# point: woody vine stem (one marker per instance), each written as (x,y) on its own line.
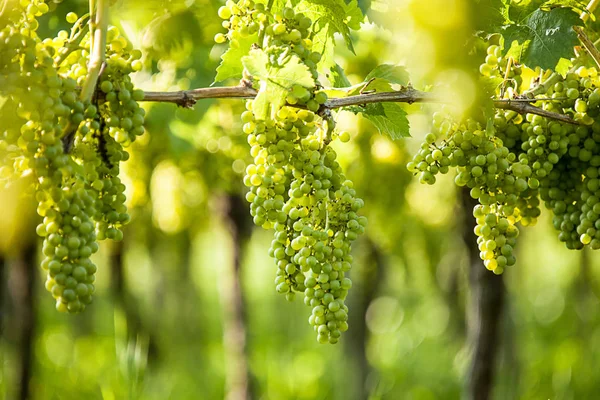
(187,98)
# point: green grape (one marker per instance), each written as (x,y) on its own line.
(344,136)
(224,12)
(220,38)
(71,17)
(321,97)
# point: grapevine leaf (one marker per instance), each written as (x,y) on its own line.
(546,36)
(578,6)
(354,15)
(491,14)
(380,80)
(563,66)
(375,84)
(378,85)
(489,127)
(277,5)
(331,17)
(522,10)
(327,51)
(388,118)
(490,85)
(231,65)
(364,5)
(338,77)
(390,72)
(275,82)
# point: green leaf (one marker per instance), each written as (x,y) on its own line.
(491,14)
(578,6)
(391,73)
(331,17)
(490,85)
(337,77)
(378,85)
(488,89)
(546,36)
(522,10)
(489,127)
(389,118)
(277,5)
(354,15)
(563,66)
(380,80)
(364,6)
(275,82)
(231,61)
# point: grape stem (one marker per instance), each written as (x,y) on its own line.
(327,211)
(98,32)
(71,46)
(519,100)
(526,108)
(92,21)
(187,98)
(589,10)
(98,48)
(263,27)
(544,86)
(506,78)
(588,44)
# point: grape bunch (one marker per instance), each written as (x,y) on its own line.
(519,162)
(489,170)
(241,20)
(496,67)
(298,189)
(70,144)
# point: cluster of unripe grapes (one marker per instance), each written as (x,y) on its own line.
(298,189)
(71,145)
(496,66)
(485,166)
(518,162)
(241,20)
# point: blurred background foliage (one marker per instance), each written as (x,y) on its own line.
(186,307)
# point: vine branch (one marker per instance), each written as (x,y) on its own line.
(588,44)
(92,21)
(98,31)
(187,98)
(526,108)
(98,55)
(591,7)
(77,35)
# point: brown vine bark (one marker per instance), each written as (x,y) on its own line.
(3,313)
(371,277)
(3,294)
(237,375)
(21,287)
(124,300)
(487,304)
